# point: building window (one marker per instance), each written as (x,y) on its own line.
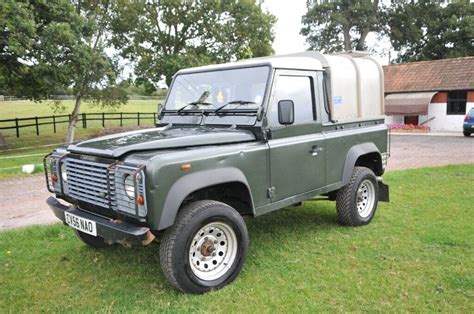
(457,102)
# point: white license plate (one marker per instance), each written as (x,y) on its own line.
(85,225)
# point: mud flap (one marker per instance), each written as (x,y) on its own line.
(383,192)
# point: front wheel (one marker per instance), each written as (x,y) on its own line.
(206,247)
(356,202)
(466,133)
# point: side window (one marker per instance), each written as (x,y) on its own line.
(299,90)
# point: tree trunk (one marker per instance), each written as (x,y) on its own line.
(168,80)
(74,118)
(361,42)
(347,39)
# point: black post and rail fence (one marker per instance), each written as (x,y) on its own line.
(35,122)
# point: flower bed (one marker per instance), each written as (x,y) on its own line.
(410,128)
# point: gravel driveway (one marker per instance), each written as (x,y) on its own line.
(417,151)
(22,201)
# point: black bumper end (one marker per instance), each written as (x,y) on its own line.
(112,232)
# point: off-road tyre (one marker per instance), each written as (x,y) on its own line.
(180,241)
(466,133)
(347,198)
(90,240)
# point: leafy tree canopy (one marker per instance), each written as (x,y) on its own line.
(168,35)
(35,44)
(59,44)
(423,30)
(341,25)
(418,30)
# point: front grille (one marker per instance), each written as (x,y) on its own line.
(90,182)
(104,184)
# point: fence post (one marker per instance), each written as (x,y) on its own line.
(54,123)
(84,120)
(103,121)
(37,127)
(154,117)
(138,118)
(121,122)
(17,128)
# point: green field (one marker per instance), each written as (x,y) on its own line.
(417,255)
(25,108)
(20,149)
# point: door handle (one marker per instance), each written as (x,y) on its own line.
(315,150)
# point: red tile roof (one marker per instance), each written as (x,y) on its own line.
(436,75)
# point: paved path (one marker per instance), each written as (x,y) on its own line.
(22,201)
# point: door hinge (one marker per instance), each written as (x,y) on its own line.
(271,192)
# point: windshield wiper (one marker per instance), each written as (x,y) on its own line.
(194,103)
(233,102)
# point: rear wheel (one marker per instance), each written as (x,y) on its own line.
(90,240)
(466,133)
(356,202)
(206,247)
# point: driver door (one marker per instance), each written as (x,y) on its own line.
(297,151)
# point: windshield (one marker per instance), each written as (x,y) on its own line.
(244,87)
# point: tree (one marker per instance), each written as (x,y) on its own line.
(169,35)
(35,40)
(423,30)
(341,25)
(95,75)
(146,86)
(51,45)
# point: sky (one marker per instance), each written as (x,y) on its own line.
(288,26)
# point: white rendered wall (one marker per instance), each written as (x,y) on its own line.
(442,121)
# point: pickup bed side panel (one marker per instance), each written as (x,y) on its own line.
(339,143)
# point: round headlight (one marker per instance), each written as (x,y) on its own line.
(129,186)
(63,172)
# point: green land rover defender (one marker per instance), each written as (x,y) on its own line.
(231,140)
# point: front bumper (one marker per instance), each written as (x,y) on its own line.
(112,232)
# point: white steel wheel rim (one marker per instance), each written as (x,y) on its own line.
(213,251)
(365,198)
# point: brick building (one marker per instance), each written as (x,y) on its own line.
(436,93)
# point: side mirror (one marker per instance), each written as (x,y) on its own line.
(286,112)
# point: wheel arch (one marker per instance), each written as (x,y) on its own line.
(207,182)
(365,155)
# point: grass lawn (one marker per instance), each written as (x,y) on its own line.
(417,255)
(12,159)
(26,108)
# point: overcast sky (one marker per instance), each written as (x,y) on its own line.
(288,26)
